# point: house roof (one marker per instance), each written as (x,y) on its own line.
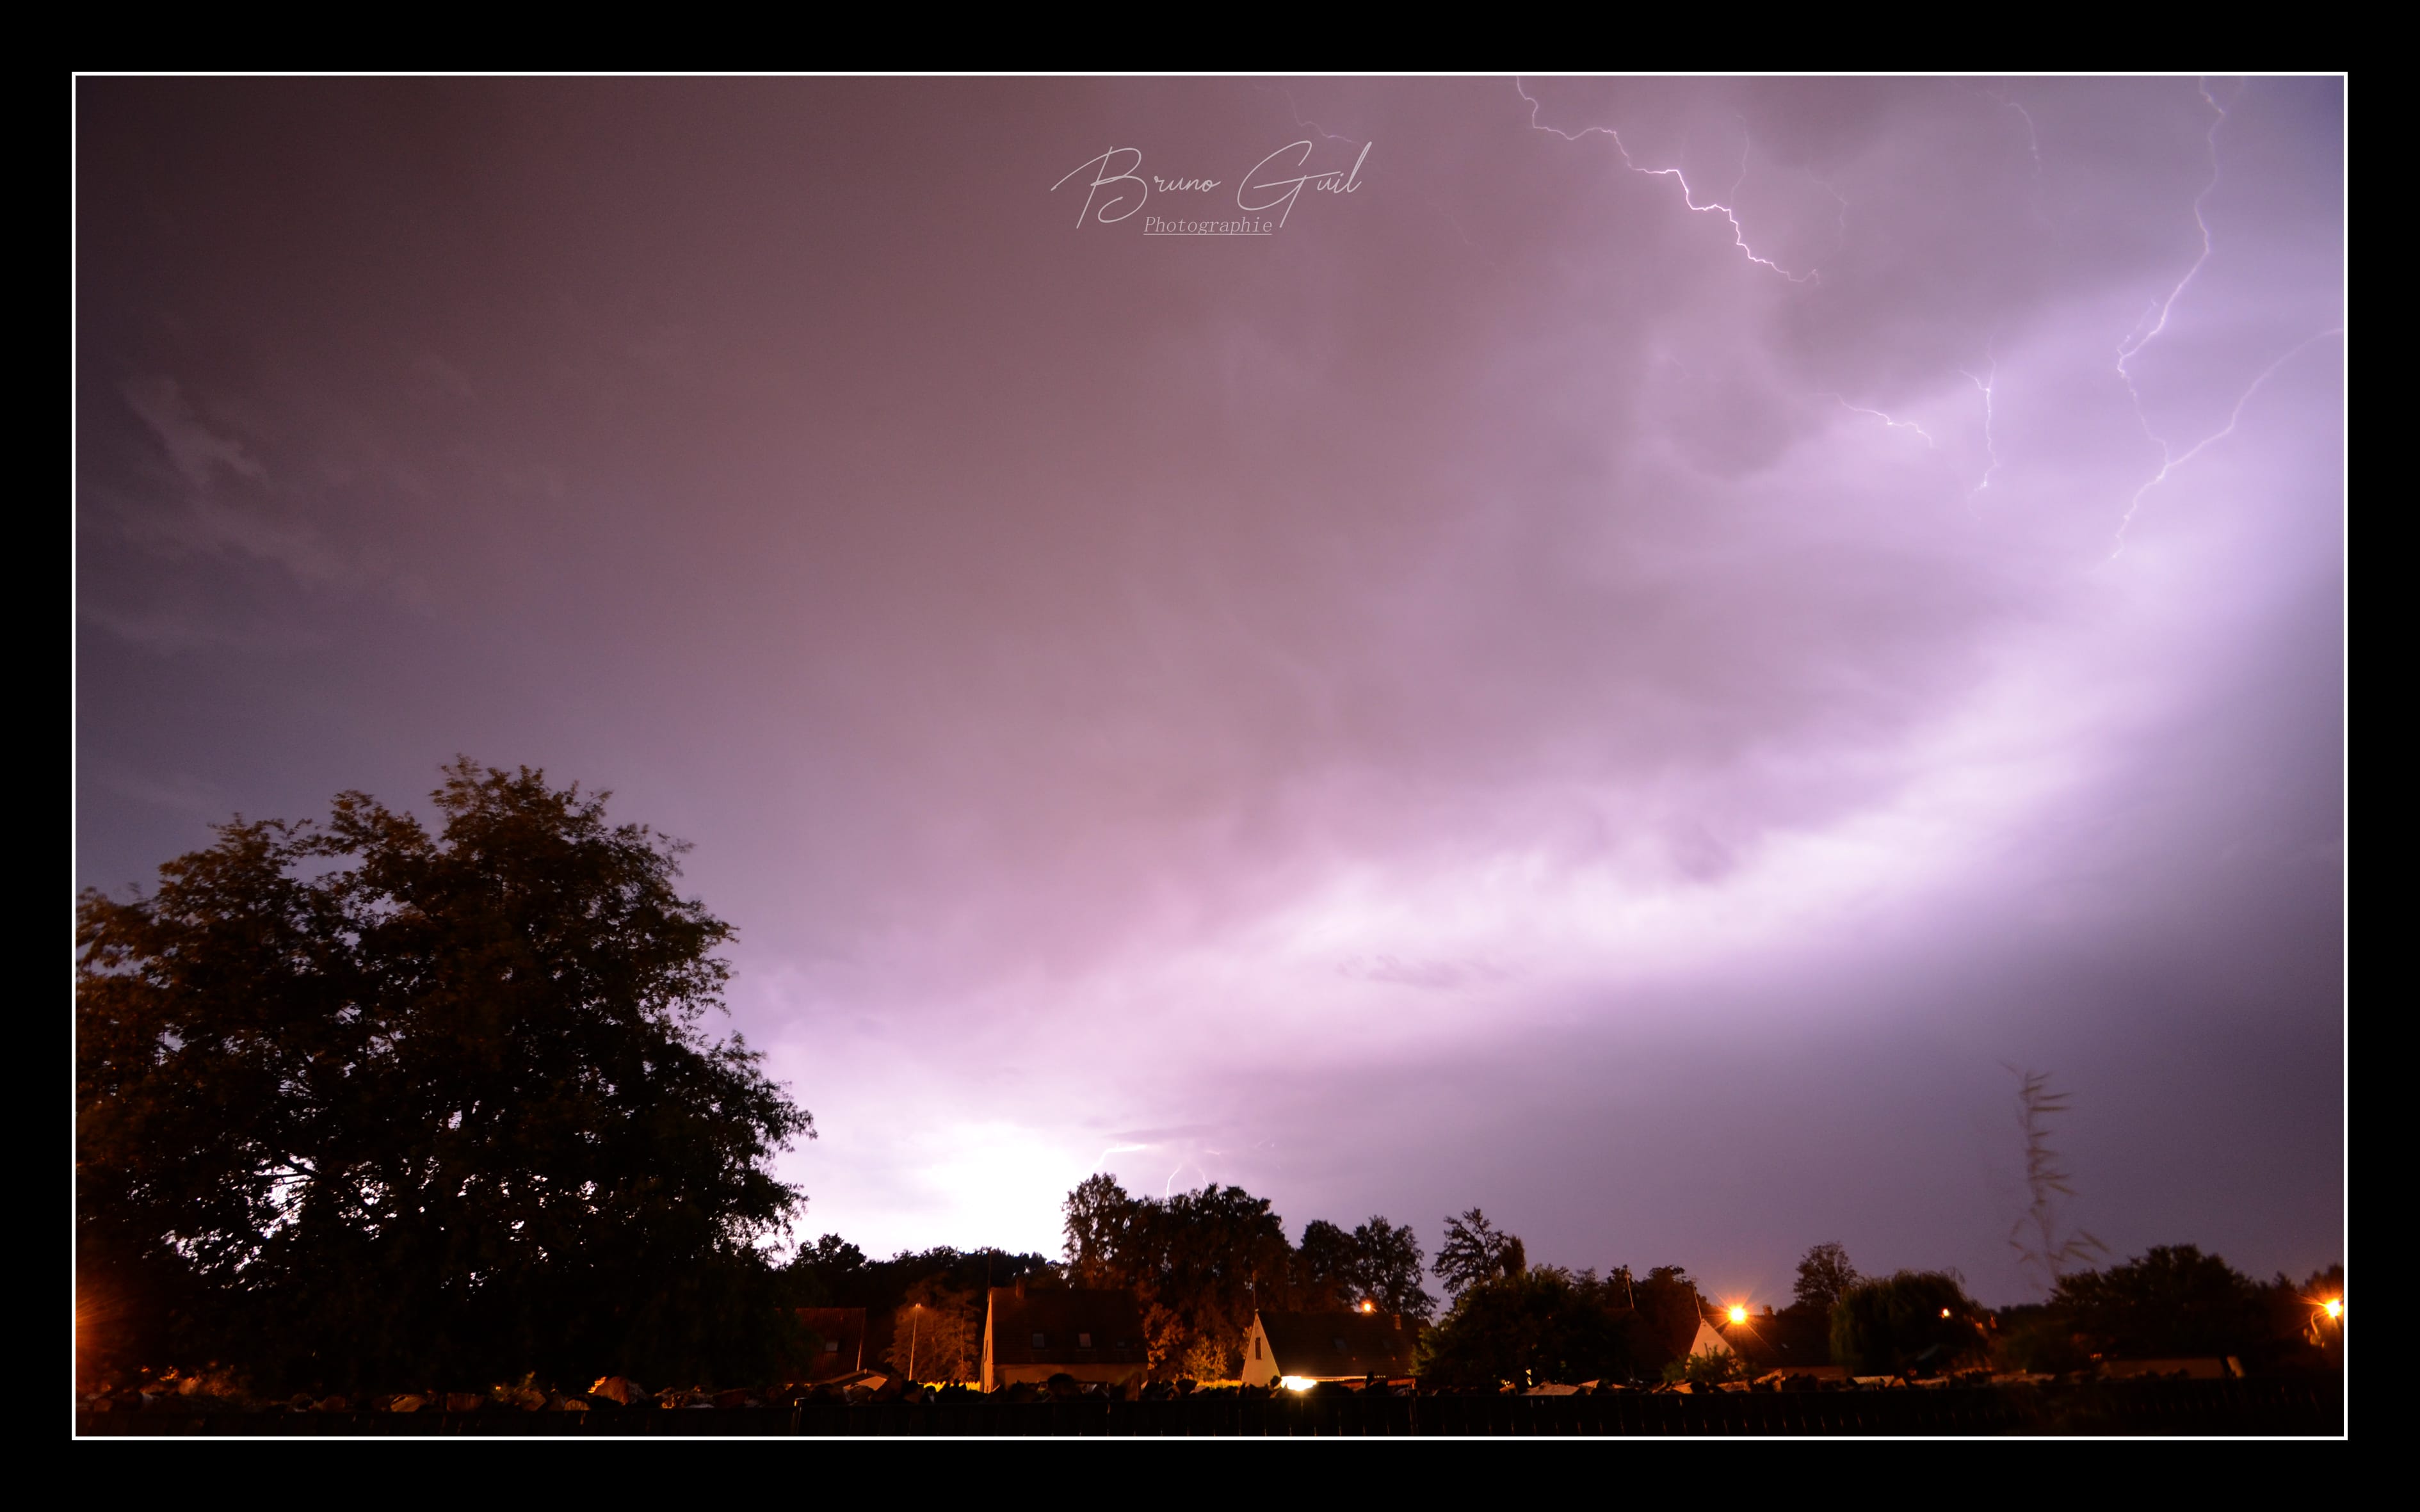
(1340,1343)
(1075,1327)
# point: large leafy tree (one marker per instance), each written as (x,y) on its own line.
(1669,1306)
(1377,1263)
(1474,1251)
(2171,1300)
(1103,1228)
(1198,1261)
(1533,1326)
(1825,1276)
(1327,1271)
(1914,1320)
(362,1102)
(1389,1269)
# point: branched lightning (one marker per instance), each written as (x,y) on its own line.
(2156,316)
(1889,421)
(2155,320)
(1688,196)
(2168,464)
(2149,328)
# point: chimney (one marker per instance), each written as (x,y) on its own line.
(1399,1321)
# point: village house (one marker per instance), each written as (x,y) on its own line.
(1307,1347)
(1034,1334)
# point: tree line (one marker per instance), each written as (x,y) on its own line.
(359,1102)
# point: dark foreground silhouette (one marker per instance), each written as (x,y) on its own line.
(2311,1406)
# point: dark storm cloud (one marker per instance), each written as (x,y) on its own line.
(1586,637)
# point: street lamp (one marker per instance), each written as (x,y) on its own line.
(915,1315)
(1739,1314)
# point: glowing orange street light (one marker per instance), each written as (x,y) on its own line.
(2333,1307)
(1739,1314)
(1944,1312)
(1369,1307)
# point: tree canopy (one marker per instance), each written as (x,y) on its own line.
(1530,1326)
(1911,1321)
(1825,1276)
(1377,1263)
(1511,1322)
(1476,1251)
(2171,1300)
(358,1101)
(1201,1262)
(1196,1261)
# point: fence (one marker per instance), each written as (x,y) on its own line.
(2313,1406)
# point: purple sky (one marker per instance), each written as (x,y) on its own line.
(1618,679)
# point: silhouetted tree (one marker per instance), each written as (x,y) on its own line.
(1476,1251)
(835,1273)
(1378,1263)
(1913,1322)
(1669,1308)
(1389,1269)
(2170,1300)
(827,1274)
(1533,1326)
(1824,1275)
(2301,1332)
(361,1102)
(1327,1271)
(1099,1219)
(1196,1260)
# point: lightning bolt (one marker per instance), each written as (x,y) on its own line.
(2168,464)
(1888,420)
(1296,112)
(1688,195)
(1984,385)
(2154,323)
(2033,145)
(2157,316)
(1102,1158)
(1990,442)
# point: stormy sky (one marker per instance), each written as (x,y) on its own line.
(1622,664)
